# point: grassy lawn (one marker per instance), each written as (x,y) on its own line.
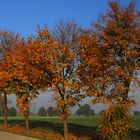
(85,121)
(137,122)
(79,126)
(90,121)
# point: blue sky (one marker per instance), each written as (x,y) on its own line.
(23,16)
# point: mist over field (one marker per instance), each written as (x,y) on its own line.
(46,100)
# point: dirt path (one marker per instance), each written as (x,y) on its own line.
(11,136)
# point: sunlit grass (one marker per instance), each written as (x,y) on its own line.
(92,121)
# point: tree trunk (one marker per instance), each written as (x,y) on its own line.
(127,83)
(5,110)
(27,123)
(65,128)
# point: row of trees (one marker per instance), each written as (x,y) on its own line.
(50,111)
(73,63)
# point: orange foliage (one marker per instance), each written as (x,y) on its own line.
(110,62)
(24,105)
(27,68)
(115,123)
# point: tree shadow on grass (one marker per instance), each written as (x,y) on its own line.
(80,130)
(135,134)
(75,129)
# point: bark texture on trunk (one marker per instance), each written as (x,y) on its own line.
(127,83)
(65,128)
(27,123)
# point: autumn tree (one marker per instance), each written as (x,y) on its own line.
(26,70)
(65,83)
(120,34)
(33,70)
(8,41)
(111,47)
(16,78)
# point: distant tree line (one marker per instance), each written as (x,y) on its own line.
(136,113)
(51,111)
(85,110)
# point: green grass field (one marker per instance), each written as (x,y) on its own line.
(137,122)
(91,121)
(85,121)
(78,126)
